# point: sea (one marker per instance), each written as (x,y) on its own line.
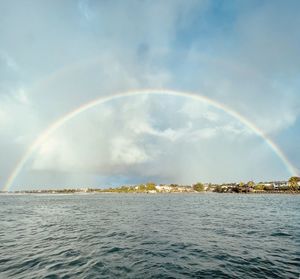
(113,235)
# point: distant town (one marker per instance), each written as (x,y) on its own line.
(290,186)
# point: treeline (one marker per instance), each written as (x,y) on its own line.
(141,188)
(293,185)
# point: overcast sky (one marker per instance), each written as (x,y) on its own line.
(57,55)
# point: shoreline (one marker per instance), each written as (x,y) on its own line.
(145,193)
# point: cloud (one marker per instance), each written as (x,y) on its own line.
(56,56)
(126,152)
(128,143)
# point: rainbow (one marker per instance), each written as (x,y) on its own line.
(67,117)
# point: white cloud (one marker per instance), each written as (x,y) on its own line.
(125,152)
(129,143)
(71,53)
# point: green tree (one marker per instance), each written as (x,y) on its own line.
(141,188)
(293,182)
(150,186)
(250,184)
(198,187)
(259,187)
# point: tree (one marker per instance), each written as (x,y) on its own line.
(250,184)
(150,186)
(209,187)
(268,187)
(141,188)
(293,182)
(259,186)
(219,189)
(198,187)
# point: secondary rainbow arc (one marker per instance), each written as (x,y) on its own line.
(67,117)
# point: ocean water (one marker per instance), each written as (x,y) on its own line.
(150,236)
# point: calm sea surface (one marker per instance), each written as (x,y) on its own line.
(150,236)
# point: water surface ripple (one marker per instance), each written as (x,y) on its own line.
(150,236)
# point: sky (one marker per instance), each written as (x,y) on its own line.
(56,56)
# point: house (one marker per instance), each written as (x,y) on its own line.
(163,188)
(280,184)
